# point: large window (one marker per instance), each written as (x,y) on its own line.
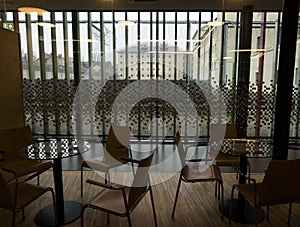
(184,48)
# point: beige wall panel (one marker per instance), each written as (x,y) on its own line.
(11,96)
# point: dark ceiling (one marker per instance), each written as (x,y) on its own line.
(131,5)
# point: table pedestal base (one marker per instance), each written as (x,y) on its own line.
(242,212)
(45,217)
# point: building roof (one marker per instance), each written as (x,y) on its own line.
(149,49)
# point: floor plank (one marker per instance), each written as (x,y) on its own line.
(197,205)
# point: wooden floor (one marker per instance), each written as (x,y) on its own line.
(197,205)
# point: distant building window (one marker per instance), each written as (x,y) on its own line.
(258,42)
(256,75)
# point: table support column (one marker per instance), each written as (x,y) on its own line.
(66,211)
(59,192)
(242,211)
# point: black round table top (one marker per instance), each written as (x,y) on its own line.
(248,147)
(54,149)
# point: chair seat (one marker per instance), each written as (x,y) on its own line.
(21,167)
(208,172)
(101,163)
(247,190)
(223,159)
(7,176)
(111,200)
(27,193)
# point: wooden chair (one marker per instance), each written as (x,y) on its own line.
(19,169)
(196,173)
(223,159)
(26,193)
(11,140)
(281,185)
(122,200)
(117,147)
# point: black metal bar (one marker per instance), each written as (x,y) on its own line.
(59,192)
(260,73)
(285,79)
(244,71)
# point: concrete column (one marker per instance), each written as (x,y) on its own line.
(285,79)
(244,71)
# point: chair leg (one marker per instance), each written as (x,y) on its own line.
(82,216)
(231,205)
(38,179)
(255,215)
(249,172)
(13,221)
(105,178)
(222,200)
(216,185)
(107,219)
(129,221)
(153,207)
(219,190)
(176,197)
(81,181)
(23,214)
(54,205)
(268,211)
(105,181)
(290,212)
(15,203)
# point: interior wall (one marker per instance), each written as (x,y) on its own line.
(11,95)
(212,5)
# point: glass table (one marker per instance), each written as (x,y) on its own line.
(242,211)
(56,149)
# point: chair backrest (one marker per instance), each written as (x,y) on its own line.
(11,140)
(223,131)
(140,181)
(118,142)
(231,131)
(180,148)
(6,198)
(281,183)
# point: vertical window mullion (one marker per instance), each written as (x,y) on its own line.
(90,70)
(175,69)
(198,64)
(151,67)
(43,76)
(157,75)
(164,72)
(222,72)
(234,68)
(102,35)
(115,92)
(77,67)
(55,75)
(67,71)
(274,69)
(31,72)
(187,67)
(260,74)
(139,69)
(127,60)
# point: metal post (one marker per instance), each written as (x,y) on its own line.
(244,71)
(285,79)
